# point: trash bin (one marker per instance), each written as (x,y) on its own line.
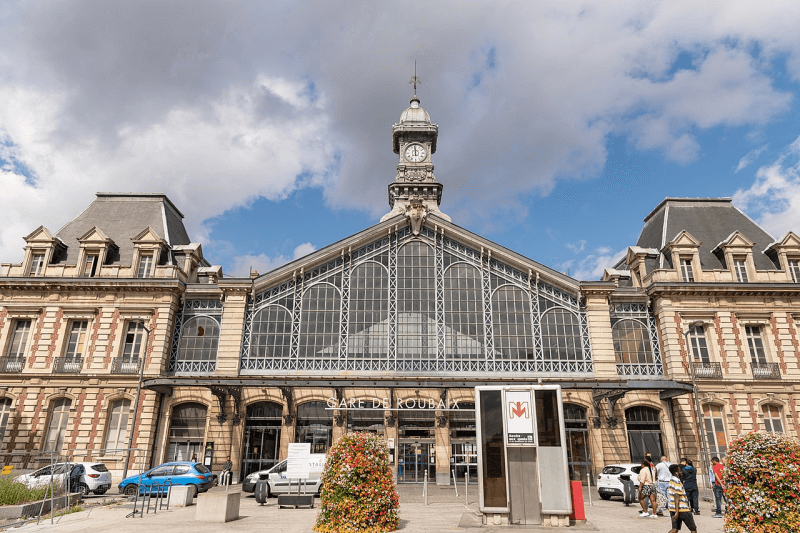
(628,489)
(261,491)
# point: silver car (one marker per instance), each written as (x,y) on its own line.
(83,477)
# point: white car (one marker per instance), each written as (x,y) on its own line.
(608,482)
(83,477)
(278,483)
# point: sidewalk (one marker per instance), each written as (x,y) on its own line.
(444,512)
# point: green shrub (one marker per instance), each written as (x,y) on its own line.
(12,493)
(358,492)
(762,484)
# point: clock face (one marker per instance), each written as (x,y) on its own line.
(415,153)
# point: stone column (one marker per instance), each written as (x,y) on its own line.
(443,449)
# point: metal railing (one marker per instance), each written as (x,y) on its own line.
(67,365)
(707,370)
(640,369)
(125,365)
(12,365)
(766,370)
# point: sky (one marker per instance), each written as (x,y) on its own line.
(561,124)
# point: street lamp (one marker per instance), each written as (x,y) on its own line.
(136,400)
(703,452)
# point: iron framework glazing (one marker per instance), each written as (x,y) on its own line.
(196,338)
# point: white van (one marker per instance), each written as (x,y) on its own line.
(278,483)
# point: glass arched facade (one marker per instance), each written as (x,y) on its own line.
(196,338)
(416,304)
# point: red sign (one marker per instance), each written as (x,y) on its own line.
(519,409)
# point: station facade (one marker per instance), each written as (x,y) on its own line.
(690,341)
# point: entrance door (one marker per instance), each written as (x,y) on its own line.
(644,432)
(186,432)
(262,437)
(463,459)
(413,460)
(577,442)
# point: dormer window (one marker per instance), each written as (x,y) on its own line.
(90,265)
(740,269)
(145,268)
(794,269)
(687,274)
(37,264)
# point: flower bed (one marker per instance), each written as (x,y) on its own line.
(12,493)
(358,492)
(762,484)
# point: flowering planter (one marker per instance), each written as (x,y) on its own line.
(30,509)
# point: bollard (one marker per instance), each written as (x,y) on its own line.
(455,482)
(589,485)
(466,488)
(425,487)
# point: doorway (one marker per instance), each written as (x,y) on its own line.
(644,432)
(262,437)
(186,432)
(577,433)
(414,459)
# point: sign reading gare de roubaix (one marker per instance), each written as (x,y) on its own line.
(385,404)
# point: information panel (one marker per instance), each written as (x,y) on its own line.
(298,465)
(518,411)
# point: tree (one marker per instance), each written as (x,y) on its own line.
(358,492)
(762,484)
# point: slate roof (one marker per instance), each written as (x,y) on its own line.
(122,216)
(709,220)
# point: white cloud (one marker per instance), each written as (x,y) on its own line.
(222,103)
(749,158)
(243,265)
(774,197)
(591,266)
(578,246)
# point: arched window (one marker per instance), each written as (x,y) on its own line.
(511,318)
(319,323)
(714,423)
(57,427)
(644,432)
(463,312)
(561,335)
(272,333)
(416,303)
(632,342)
(116,428)
(187,431)
(369,312)
(198,348)
(5,414)
(773,418)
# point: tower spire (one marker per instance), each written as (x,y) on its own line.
(415,80)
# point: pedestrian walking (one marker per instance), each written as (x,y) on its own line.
(689,479)
(647,488)
(662,471)
(678,504)
(719,493)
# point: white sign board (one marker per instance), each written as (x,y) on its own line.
(297,463)
(519,415)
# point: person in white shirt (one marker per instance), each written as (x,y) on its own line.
(663,476)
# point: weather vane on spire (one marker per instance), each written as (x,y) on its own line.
(415,79)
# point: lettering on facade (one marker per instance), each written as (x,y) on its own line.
(385,404)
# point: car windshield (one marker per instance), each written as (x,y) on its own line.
(613,470)
(201,468)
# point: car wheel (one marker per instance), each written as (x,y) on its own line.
(82,489)
(605,496)
(130,490)
(193,491)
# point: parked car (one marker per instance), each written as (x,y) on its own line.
(162,476)
(609,483)
(278,483)
(83,477)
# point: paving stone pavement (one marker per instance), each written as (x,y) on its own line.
(444,512)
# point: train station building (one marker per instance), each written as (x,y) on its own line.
(688,342)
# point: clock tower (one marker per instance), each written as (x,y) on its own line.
(415,191)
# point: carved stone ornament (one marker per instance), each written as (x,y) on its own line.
(441,421)
(416,214)
(612,421)
(596,422)
(339,419)
(416,174)
(390,421)
(287,420)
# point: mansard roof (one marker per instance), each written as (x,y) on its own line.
(434,224)
(122,217)
(710,221)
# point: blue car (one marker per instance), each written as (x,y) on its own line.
(160,478)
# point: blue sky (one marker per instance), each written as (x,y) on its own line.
(561,124)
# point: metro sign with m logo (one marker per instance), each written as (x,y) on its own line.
(518,410)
